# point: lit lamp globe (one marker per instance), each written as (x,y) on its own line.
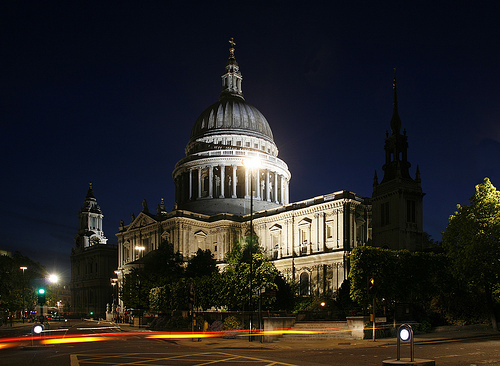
(53,278)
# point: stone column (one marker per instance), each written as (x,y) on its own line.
(246,184)
(234,182)
(210,181)
(282,190)
(268,188)
(276,198)
(199,183)
(257,183)
(222,180)
(190,184)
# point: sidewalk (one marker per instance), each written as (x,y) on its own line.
(440,334)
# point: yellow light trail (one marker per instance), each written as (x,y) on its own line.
(75,340)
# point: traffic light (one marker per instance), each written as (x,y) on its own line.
(41,295)
(372,286)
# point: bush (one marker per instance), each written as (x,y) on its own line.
(231,323)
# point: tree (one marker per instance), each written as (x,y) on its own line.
(18,288)
(201,264)
(161,270)
(398,275)
(472,242)
(237,274)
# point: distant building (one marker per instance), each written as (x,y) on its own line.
(309,241)
(93,262)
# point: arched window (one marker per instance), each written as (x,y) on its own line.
(304,284)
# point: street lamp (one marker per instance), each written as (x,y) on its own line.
(251,164)
(23,268)
(140,249)
(53,278)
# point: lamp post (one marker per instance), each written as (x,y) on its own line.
(140,249)
(23,268)
(114,282)
(251,164)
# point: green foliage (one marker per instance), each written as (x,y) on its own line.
(231,322)
(202,264)
(472,242)
(235,292)
(12,282)
(161,268)
(399,275)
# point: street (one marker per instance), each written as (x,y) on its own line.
(135,348)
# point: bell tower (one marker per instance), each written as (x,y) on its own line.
(90,230)
(397,200)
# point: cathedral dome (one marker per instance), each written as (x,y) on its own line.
(232,115)
(213,178)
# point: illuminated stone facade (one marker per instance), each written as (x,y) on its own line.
(308,241)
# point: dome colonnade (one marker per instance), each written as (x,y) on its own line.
(212,178)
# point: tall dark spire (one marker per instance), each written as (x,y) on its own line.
(231,80)
(395,121)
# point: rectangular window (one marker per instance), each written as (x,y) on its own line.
(329,230)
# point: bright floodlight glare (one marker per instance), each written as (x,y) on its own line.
(53,278)
(252,163)
(404,334)
(140,248)
(38,329)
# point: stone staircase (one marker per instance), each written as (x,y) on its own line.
(319,330)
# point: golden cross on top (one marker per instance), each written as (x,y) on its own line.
(231,49)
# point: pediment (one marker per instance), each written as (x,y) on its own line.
(142,220)
(275,227)
(305,221)
(200,233)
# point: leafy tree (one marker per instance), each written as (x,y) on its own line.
(239,270)
(472,241)
(135,290)
(399,275)
(201,264)
(12,282)
(160,269)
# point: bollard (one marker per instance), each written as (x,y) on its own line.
(405,334)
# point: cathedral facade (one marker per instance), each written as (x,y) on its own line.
(232,178)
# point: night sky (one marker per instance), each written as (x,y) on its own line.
(107,92)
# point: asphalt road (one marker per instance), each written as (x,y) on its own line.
(136,349)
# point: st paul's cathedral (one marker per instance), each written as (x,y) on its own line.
(218,195)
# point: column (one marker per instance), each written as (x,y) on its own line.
(257,183)
(246,184)
(276,199)
(190,196)
(234,182)
(268,189)
(210,181)
(222,180)
(199,182)
(282,190)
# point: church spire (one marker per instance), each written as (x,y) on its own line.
(231,80)
(395,121)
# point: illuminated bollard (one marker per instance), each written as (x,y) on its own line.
(405,334)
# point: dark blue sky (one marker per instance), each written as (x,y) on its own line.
(107,91)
